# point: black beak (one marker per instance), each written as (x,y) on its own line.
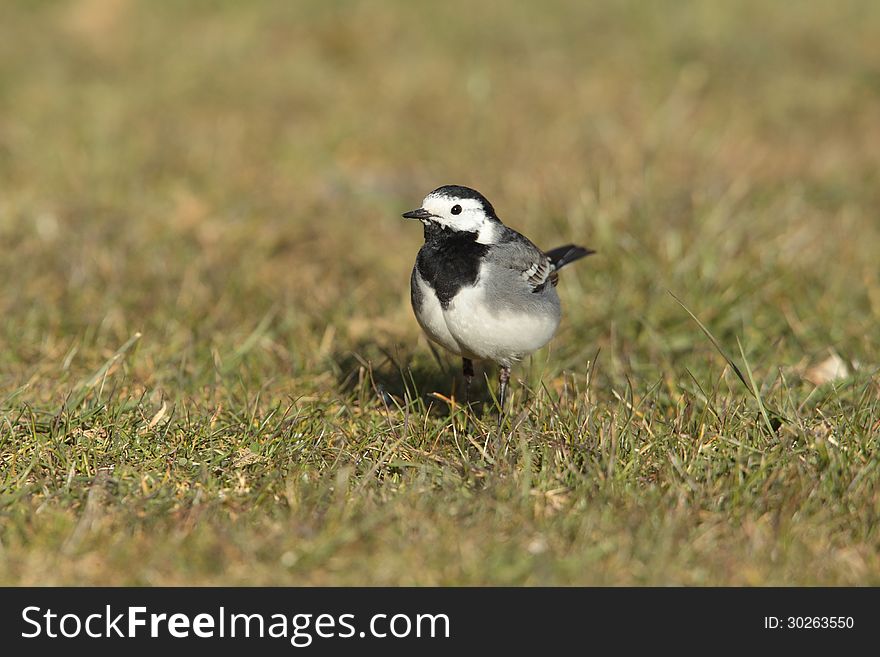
(419,214)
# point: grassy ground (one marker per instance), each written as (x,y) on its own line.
(204,284)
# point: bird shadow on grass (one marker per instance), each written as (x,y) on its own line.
(373,374)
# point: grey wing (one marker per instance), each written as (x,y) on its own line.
(517,253)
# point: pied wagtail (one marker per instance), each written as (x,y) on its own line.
(480,289)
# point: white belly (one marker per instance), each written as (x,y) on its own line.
(501,335)
(430,317)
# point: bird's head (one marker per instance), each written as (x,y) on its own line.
(458,209)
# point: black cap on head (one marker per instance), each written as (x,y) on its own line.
(460,191)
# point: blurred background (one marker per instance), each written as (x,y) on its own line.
(200,228)
(190,169)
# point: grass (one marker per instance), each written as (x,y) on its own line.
(209,370)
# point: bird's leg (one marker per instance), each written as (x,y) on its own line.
(467,369)
(503,378)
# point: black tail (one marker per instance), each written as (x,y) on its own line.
(563,255)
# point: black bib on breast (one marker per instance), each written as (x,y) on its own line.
(449,261)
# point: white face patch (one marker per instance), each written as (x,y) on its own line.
(464,214)
(488,234)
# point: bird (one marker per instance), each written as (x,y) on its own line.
(480,289)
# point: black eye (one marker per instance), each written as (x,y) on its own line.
(456,209)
